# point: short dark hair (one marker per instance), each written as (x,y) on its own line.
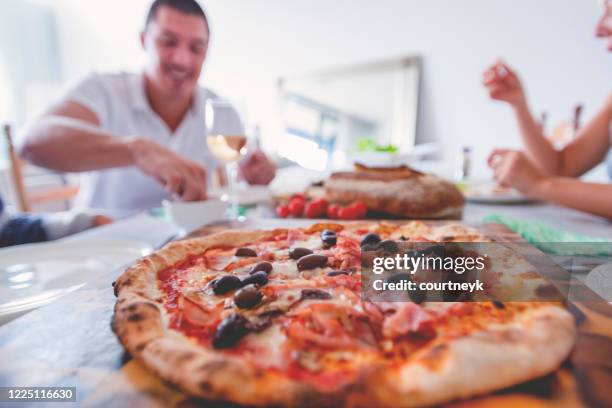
(184,6)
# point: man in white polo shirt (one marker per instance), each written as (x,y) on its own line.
(140,137)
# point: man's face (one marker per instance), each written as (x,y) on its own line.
(176,44)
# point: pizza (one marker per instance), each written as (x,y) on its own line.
(277,318)
(400,192)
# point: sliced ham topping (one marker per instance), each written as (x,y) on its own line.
(330,337)
(218,258)
(346,254)
(198,314)
(241,262)
(352,282)
(328,325)
(407,318)
(293,236)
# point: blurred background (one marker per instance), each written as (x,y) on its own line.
(305,70)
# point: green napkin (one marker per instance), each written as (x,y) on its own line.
(553,240)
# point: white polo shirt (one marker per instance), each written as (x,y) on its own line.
(119,102)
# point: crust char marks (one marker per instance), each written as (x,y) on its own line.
(136,322)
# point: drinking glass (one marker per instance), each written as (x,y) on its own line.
(227,141)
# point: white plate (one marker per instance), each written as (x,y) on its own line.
(485,193)
(35,274)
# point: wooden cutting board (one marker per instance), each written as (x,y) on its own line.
(70,343)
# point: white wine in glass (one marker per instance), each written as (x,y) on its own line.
(227,141)
(227,148)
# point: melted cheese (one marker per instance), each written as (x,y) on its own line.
(285,268)
(268,346)
(312,243)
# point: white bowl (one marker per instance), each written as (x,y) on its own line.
(191,215)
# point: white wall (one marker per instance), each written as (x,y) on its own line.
(551,42)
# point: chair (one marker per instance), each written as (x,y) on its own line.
(16,174)
(25,201)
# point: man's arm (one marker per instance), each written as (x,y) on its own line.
(68,138)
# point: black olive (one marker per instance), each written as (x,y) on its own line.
(498,304)
(230,331)
(369,248)
(339,272)
(314,294)
(389,246)
(311,262)
(245,252)
(258,278)
(226,283)
(261,266)
(329,238)
(328,232)
(297,253)
(370,240)
(248,297)
(417,295)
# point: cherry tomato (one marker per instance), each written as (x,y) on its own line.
(313,210)
(321,202)
(282,211)
(359,208)
(316,208)
(298,196)
(296,207)
(332,211)
(346,213)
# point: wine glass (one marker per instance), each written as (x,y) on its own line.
(227,140)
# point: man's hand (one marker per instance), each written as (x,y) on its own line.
(512,168)
(503,84)
(256,168)
(183,178)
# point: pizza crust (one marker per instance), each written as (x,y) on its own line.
(531,346)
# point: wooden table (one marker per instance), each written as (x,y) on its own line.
(70,343)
